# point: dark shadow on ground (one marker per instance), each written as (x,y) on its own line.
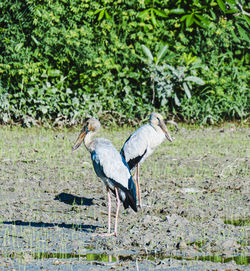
(87,228)
(74,200)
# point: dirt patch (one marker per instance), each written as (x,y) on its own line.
(193,191)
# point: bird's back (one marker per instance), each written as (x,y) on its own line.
(141,144)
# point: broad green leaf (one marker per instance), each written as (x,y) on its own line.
(54,73)
(222,5)
(246,18)
(44,109)
(187,91)
(235,38)
(143,13)
(233,2)
(133,75)
(195,79)
(177,101)
(189,20)
(189,85)
(204,20)
(243,33)
(177,11)
(160,13)
(158,1)
(91,12)
(98,11)
(35,40)
(69,91)
(75,101)
(5,117)
(18,46)
(153,18)
(38,13)
(232,11)
(161,53)
(100,15)
(213,14)
(147,52)
(107,15)
(183,18)
(171,68)
(199,23)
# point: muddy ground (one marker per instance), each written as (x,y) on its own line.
(195,194)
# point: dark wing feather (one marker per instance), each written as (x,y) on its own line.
(131,196)
(135,147)
(133,162)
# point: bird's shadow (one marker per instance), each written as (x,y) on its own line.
(74,200)
(86,228)
(67,199)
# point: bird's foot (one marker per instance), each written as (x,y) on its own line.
(108,234)
(142,206)
(139,204)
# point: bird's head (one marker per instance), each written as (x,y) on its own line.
(156,119)
(91,125)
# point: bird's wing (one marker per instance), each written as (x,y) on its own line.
(136,146)
(108,162)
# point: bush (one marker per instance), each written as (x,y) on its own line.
(65,59)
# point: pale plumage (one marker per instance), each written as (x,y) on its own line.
(110,166)
(142,143)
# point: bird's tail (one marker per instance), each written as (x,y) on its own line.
(130,196)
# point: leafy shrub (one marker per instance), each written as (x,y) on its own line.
(65,59)
(168,80)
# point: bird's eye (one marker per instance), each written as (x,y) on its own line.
(159,121)
(86,128)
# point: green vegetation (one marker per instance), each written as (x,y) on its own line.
(63,60)
(103,257)
(239,222)
(217,259)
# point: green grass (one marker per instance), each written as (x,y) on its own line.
(103,257)
(239,222)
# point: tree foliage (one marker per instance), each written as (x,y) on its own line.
(61,60)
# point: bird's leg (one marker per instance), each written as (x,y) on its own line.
(109,210)
(109,215)
(118,202)
(138,189)
(136,184)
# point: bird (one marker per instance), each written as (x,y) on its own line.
(142,143)
(111,167)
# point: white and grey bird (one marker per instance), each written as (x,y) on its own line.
(110,166)
(142,143)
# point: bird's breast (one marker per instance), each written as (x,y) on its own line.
(155,138)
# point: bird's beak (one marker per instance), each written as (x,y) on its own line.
(79,140)
(165,130)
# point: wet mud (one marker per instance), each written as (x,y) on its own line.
(195,196)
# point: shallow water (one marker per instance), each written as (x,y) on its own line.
(104,257)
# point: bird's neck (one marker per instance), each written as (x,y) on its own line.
(157,128)
(89,142)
